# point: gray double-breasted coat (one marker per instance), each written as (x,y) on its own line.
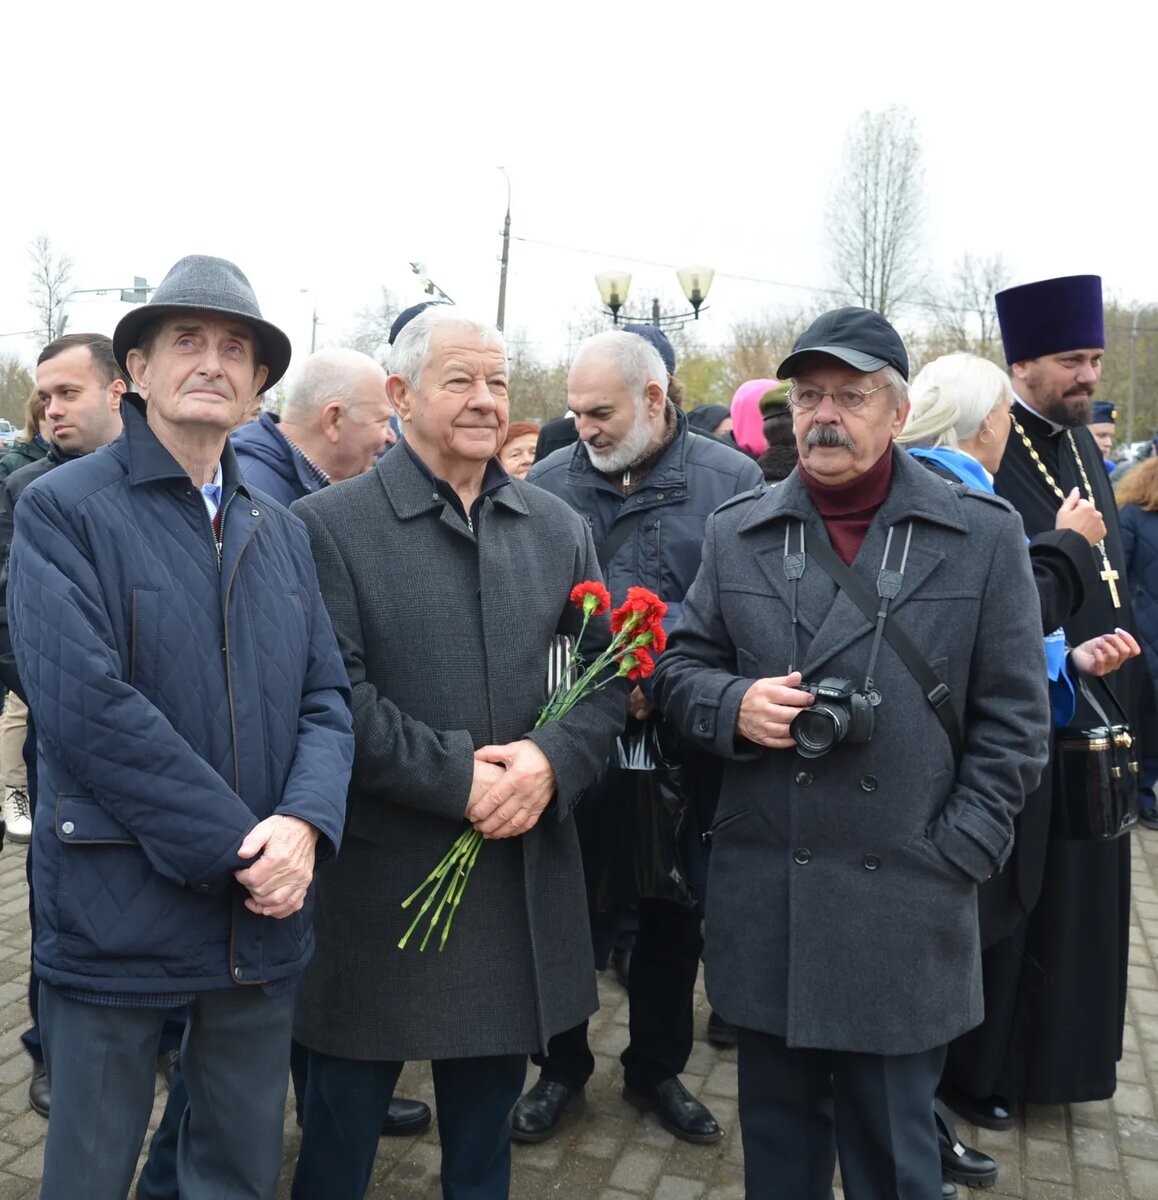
(842,908)
(445,632)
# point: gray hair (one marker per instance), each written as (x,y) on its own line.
(951,398)
(639,362)
(410,353)
(326,376)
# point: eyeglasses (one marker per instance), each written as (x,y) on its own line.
(806,398)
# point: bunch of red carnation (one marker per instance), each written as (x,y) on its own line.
(637,637)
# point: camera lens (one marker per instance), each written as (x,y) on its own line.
(817,729)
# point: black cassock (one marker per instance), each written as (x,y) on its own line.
(1055,981)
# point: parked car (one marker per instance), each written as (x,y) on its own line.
(8,434)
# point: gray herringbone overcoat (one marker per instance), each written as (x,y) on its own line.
(842,896)
(445,632)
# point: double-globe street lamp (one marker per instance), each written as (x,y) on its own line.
(694,282)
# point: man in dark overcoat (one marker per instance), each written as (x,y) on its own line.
(841,932)
(447,582)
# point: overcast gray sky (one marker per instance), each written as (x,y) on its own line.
(324,146)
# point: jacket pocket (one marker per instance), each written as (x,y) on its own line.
(721,824)
(80,820)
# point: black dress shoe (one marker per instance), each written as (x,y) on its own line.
(959,1162)
(165,1064)
(720,1032)
(678,1110)
(39,1093)
(406,1118)
(993,1112)
(539,1114)
(621,965)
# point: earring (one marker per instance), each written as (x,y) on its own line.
(981,437)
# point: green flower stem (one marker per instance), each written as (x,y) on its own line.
(437,873)
(440,876)
(461,889)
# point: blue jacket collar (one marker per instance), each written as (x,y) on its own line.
(964,466)
(149,462)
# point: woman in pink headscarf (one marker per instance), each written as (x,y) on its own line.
(747,419)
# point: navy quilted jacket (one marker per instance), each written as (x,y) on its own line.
(178,701)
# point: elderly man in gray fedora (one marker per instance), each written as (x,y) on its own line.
(863,646)
(195,741)
(448,582)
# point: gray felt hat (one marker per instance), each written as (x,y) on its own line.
(199,283)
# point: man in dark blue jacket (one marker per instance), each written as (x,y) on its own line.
(646,484)
(336,423)
(195,734)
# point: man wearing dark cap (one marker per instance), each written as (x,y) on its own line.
(1055,925)
(1102,427)
(195,732)
(862,645)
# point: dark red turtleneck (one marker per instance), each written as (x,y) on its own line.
(848,508)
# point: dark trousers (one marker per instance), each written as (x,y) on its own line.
(664,965)
(31,1036)
(103,1063)
(345,1105)
(802,1109)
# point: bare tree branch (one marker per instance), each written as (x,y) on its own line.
(876,210)
(49,287)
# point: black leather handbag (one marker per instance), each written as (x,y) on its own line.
(1096,784)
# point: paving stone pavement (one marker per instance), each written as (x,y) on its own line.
(1102,1151)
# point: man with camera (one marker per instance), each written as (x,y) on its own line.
(863,646)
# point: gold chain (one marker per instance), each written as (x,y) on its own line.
(1108,574)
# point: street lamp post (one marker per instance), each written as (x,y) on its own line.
(314,319)
(694,282)
(506,256)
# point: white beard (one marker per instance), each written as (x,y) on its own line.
(629,451)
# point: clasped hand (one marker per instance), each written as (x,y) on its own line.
(512,786)
(768,708)
(278,881)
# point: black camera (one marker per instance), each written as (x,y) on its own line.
(840,713)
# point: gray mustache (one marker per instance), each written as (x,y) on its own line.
(828,435)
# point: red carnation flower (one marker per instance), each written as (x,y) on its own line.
(642,609)
(592,597)
(637,664)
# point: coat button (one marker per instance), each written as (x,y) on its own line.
(659,495)
(67,827)
(702,726)
(871,862)
(868,783)
(803,855)
(203,888)
(238,973)
(255,512)
(804,778)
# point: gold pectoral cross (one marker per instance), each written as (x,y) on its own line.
(1110,575)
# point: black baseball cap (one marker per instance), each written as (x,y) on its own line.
(857,336)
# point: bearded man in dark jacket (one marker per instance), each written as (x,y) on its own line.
(646,484)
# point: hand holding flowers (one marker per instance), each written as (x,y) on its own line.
(514,803)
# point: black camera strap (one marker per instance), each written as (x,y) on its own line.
(888,585)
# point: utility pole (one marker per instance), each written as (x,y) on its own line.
(506,256)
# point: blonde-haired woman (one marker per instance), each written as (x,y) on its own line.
(958,427)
